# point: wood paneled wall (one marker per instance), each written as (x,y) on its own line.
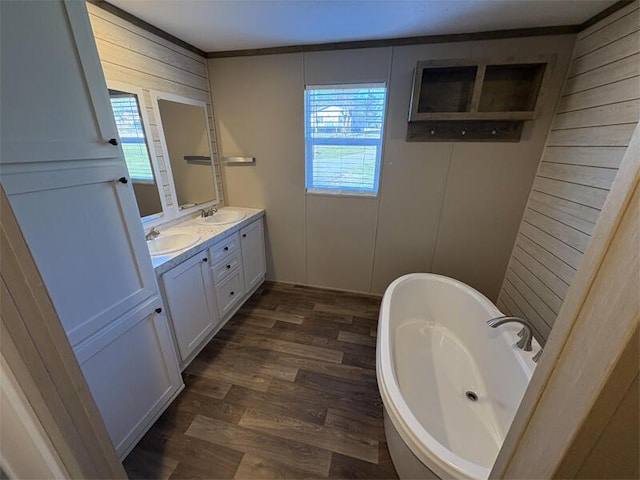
(132,55)
(594,122)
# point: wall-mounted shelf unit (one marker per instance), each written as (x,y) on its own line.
(476,100)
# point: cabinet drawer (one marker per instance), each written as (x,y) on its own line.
(229,292)
(225,247)
(222,270)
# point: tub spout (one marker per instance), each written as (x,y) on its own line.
(528,331)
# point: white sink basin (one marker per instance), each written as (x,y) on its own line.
(172,242)
(222,218)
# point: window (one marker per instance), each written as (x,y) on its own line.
(343,137)
(136,154)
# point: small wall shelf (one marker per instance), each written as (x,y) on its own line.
(198,159)
(239,160)
(476,100)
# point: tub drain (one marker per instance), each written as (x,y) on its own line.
(473,396)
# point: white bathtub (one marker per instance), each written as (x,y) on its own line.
(433,347)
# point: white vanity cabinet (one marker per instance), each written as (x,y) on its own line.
(189,293)
(206,289)
(253,255)
(67,182)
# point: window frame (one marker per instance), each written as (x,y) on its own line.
(145,137)
(309,143)
(163,216)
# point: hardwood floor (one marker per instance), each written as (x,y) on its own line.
(287,389)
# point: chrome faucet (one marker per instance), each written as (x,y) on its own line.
(204,213)
(153,233)
(527,332)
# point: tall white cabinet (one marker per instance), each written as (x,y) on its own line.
(66,179)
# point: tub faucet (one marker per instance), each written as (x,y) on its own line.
(528,332)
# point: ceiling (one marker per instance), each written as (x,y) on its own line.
(219,25)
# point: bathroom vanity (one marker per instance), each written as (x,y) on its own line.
(204,284)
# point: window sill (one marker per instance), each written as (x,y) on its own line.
(340,193)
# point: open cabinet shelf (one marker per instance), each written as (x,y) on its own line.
(476,100)
(446,89)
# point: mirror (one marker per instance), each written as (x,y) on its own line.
(188,146)
(128,114)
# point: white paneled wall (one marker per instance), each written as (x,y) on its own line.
(129,54)
(596,116)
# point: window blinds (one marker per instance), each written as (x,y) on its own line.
(343,137)
(127,115)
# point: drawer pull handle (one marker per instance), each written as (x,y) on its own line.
(113,141)
(244,235)
(123,180)
(228,267)
(205,259)
(226,249)
(158,310)
(231,293)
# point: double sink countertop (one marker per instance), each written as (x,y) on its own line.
(209,234)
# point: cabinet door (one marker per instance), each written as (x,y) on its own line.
(132,373)
(83,230)
(55,105)
(253,257)
(191,304)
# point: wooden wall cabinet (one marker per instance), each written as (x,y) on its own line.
(476,99)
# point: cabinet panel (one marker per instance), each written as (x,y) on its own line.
(229,293)
(131,371)
(82,227)
(253,256)
(191,303)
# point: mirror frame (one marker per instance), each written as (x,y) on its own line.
(163,216)
(175,211)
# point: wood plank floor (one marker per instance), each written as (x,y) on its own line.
(287,389)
